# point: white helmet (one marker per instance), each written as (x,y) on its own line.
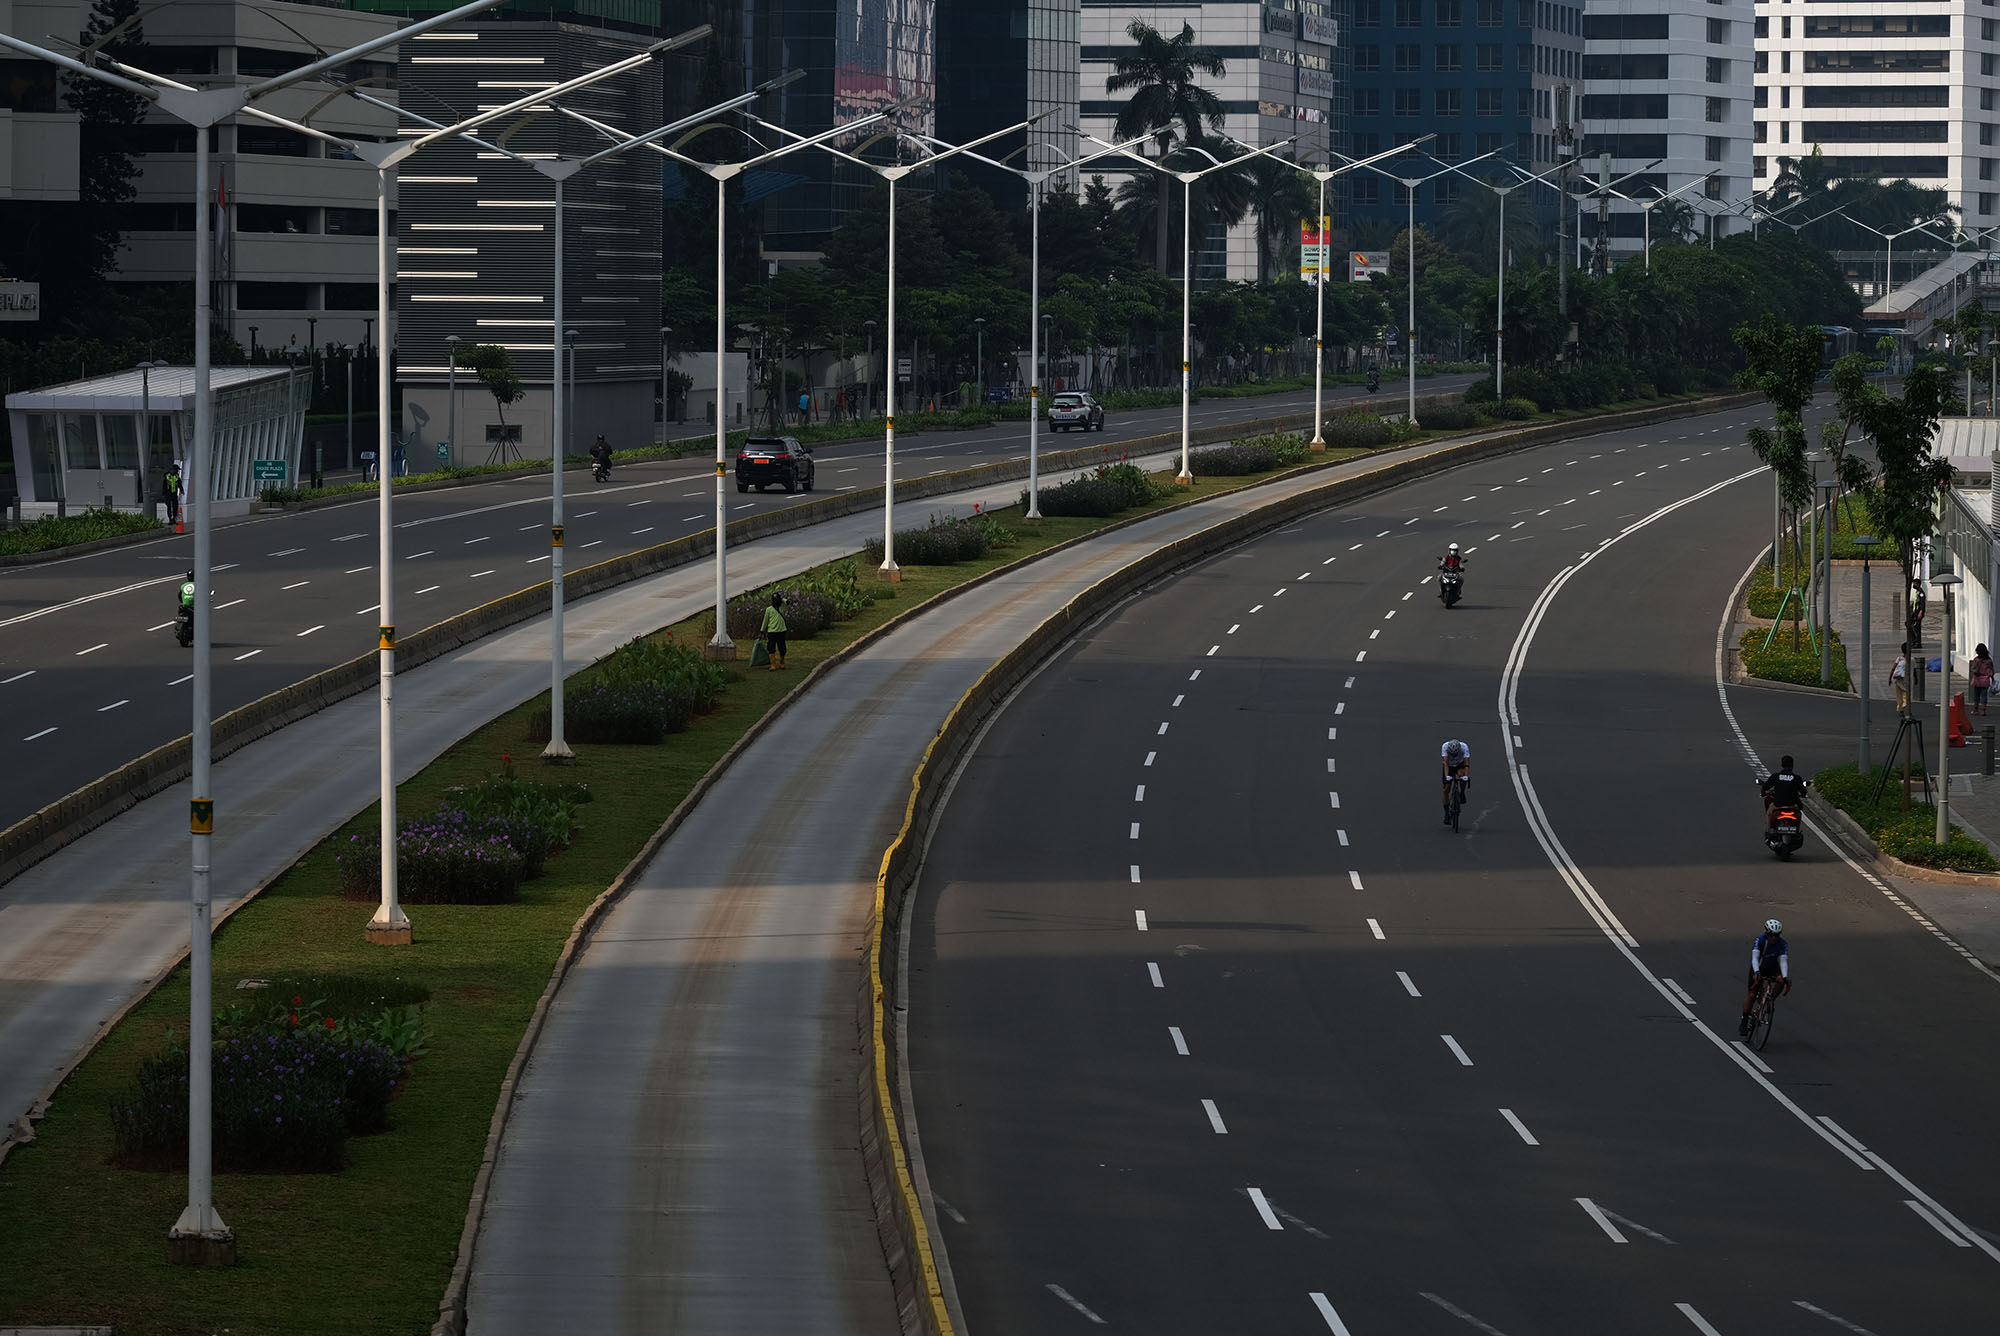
(1772,925)
(1454,751)
(1452,548)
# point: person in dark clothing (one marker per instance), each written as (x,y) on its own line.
(774,631)
(1781,788)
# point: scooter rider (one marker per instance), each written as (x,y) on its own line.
(1374,379)
(1450,566)
(187,595)
(1781,788)
(600,455)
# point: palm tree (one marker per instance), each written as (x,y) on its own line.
(1470,225)
(1160,73)
(1279,196)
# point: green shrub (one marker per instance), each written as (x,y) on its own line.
(999,535)
(49,532)
(663,661)
(282,1103)
(945,540)
(1131,480)
(837,583)
(1356,431)
(1905,833)
(1511,409)
(535,818)
(1088,495)
(1480,392)
(1448,417)
(1782,663)
(1233,460)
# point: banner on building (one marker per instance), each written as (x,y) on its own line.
(1364,265)
(1280,20)
(1319,29)
(1317,83)
(19,300)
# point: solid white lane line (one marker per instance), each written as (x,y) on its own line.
(1376,929)
(1333,1321)
(1214,1117)
(1456,1051)
(1355,878)
(1837,1321)
(300,585)
(1139,919)
(178,680)
(1700,1322)
(363,612)
(430,589)
(1180,1044)
(1342,834)
(1409,985)
(1843,1134)
(1749,1055)
(31,672)
(1454,1310)
(251,655)
(357,570)
(1679,991)
(1522,1128)
(1153,973)
(230,604)
(310,629)
(482,538)
(1071,1299)
(476,574)
(32,736)
(92,650)
(112,706)
(1149,757)
(1590,1209)
(1135,831)
(1264,1211)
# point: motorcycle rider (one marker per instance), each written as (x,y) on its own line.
(1374,380)
(1451,564)
(1781,788)
(600,457)
(186,604)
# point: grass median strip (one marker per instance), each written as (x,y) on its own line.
(371,1247)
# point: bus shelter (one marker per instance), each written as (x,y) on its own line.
(79,444)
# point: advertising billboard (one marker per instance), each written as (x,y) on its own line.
(1363,265)
(885,51)
(1313,246)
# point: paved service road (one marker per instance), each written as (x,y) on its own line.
(90,674)
(1214,1026)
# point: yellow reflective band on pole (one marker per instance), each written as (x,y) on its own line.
(891,422)
(201,816)
(388,637)
(555,532)
(720,468)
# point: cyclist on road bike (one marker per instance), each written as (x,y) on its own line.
(1781,788)
(1769,959)
(1457,757)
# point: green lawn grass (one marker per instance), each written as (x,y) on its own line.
(370,1249)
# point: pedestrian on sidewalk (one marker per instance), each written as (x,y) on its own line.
(1982,678)
(1899,679)
(173,490)
(774,632)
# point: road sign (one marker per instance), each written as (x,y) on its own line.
(444,452)
(267,470)
(902,368)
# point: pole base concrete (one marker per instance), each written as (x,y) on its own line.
(558,753)
(214,1249)
(1316,443)
(389,932)
(893,574)
(719,651)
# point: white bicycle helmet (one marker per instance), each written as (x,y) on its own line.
(1772,925)
(1454,752)
(1452,548)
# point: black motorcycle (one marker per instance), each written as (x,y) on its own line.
(1374,382)
(601,470)
(1450,584)
(184,624)
(1784,829)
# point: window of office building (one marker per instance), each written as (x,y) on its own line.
(350,296)
(1486,143)
(281,296)
(1875,132)
(1761,29)
(1879,95)
(1758,165)
(1986,201)
(1367,59)
(1448,149)
(1408,102)
(1367,13)
(1367,102)
(1718,32)
(1986,169)
(1760,96)
(1868,25)
(1489,101)
(1718,70)
(1625,27)
(1367,189)
(1524,58)
(1447,191)
(273,217)
(269,139)
(1447,102)
(1989,30)
(1718,109)
(1884,62)
(1986,98)
(1409,13)
(1367,144)
(1646,65)
(1447,58)
(350,222)
(1489,57)
(1450,13)
(1625,107)
(1757,132)
(1986,135)
(1401,195)
(29,85)
(1524,102)
(1717,147)
(1489,12)
(1524,146)
(1409,57)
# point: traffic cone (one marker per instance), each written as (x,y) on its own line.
(1960,726)
(178,526)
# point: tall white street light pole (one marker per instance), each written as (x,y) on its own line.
(1036,180)
(200,1235)
(720,646)
(1187,179)
(1410,184)
(1323,175)
(1500,294)
(1646,208)
(893,173)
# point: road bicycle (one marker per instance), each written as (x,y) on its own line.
(1456,801)
(1763,1009)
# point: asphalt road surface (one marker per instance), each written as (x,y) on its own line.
(1216,1027)
(91,676)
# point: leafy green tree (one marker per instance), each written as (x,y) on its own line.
(495,366)
(1903,504)
(1782,364)
(1162,74)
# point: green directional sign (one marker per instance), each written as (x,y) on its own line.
(268,470)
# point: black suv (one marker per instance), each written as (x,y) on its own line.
(764,460)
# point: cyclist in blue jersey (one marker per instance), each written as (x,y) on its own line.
(1770,958)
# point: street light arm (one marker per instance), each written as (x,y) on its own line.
(75,66)
(369,47)
(386,105)
(672,127)
(1350,164)
(615,68)
(1028,124)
